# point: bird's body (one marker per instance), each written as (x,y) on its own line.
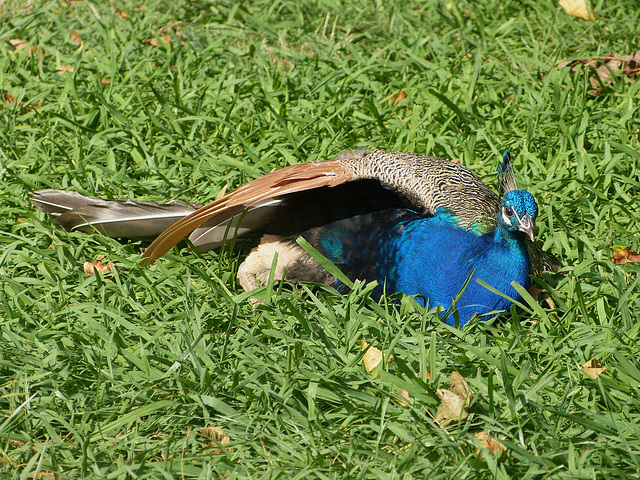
(431,257)
(418,225)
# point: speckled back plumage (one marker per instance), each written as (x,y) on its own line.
(430,183)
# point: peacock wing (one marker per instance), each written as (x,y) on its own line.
(422,183)
(263,192)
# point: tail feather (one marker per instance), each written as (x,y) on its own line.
(114,218)
(238,221)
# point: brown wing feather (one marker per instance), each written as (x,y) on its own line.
(294,178)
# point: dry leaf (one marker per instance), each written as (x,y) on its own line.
(122,14)
(404,394)
(451,409)
(154,41)
(593,368)
(453,402)
(75,38)
(62,69)
(490,443)
(577,8)
(90,268)
(105,81)
(372,356)
(459,387)
(215,437)
(20,45)
(624,255)
(397,97)
(43,475)
(607,65)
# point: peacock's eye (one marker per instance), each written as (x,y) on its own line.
(508,211)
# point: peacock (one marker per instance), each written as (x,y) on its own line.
(416,224)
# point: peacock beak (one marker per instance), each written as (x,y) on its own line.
(527,226)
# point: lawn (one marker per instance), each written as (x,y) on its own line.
(117,376)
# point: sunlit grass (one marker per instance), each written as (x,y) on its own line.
(114,378)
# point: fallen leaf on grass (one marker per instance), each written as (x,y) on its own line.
(607,65)
(215,437)
(154,41)
(372,357)
(624,255)
(20,45)
(395,99)
(593,368)
(404,394)
(75,38)
(577,8)
(453,402)
(43,475)
(90,268)
(490,443)
(62,69)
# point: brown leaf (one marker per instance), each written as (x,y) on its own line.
(624,255)
(20,45)
(8,98)
(90,268)
(63,69)
(577,8)
(122,14)
(372,357)
(34,107)
(451,408)
(459,387)
(607,65)
(490,443)
(154,41)
(215,437)
(593,368)
(75,38)
(453,402)
(150,41)
(404,394)
(397,97)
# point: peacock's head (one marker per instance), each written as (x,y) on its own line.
(518,212)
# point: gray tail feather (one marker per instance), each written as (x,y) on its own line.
(114,218)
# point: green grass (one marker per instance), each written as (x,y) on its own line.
(114,378)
